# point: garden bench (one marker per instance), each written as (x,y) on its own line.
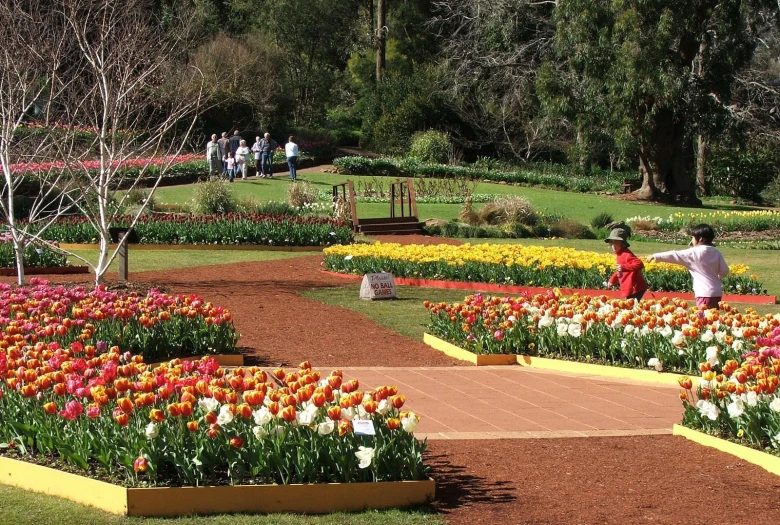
(630,185)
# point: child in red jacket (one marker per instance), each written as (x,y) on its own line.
(629,266)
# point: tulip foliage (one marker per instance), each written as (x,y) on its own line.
(194,423)
(157,326)
(663,334)
(514,264)
(738,399)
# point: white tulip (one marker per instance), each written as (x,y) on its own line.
(259,432)
(208,404)
(152,431)
(775,404)
(365,455)
(225,416)
(326,427)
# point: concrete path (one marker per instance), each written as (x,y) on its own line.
(512,402)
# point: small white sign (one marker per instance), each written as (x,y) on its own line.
(377,286)
(363,427)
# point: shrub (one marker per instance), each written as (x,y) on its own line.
(601,220)
(743,174)
(509,210)
(569,229)
(213,196)
(644,225)
(430,146)
(275,208)
(467,214)
(299,194)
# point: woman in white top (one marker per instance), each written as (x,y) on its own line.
(241,155)
(291,151)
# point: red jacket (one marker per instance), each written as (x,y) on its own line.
(630,275)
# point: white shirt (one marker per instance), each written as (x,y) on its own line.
(256,149)
(706,265)
(291,149)
(241,154)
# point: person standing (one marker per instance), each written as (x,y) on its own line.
(213,157)
(235,142)
(242,156)
(291,152)
(231,166)
(224,149)
(267,147)
(258,153)
(705,264)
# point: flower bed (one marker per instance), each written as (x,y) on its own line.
(738,399)
(721,221)
(35,256)
(227,229)
(514,264)
(86,324)
(194,423)
(661,334)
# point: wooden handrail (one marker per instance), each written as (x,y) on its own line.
(405,190)
(347,190)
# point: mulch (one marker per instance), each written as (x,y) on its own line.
(658,479)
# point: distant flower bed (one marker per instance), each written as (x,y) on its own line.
(516,265)
(231,229)
(723,221)
(34,256)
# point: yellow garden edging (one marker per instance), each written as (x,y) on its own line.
(222,359)
(756,457)
(464,355)
(574,367)
(235,247)
(544,363)
(181,501)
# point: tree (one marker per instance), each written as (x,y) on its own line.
(635,60)
(33,72)
(137,93)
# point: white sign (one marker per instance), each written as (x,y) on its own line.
(363,427)
(377,286)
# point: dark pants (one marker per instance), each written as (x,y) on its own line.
(292,162)
(267,160)
(637,296)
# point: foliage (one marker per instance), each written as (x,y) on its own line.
(743,174)
(467,231)
(601,220)
(569,229)
(514,264)
(193,423)
(35,256)
(721,221)
(213,196)
(665,334)
(510,209)
(543,175)
(300,194)
(275,208)
(430,146)
(230,228)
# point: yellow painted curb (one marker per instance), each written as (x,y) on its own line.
(222,359)
(464,355)
(559,365)
(234,247)
(762,459)
(98,494)
(182,501)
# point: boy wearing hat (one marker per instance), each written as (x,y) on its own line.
(629,266)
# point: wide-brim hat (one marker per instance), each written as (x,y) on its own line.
(618,234)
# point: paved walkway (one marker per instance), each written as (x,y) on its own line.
(513,402)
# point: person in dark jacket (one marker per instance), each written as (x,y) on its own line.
(267,148)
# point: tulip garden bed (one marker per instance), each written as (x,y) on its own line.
(666,334)
(514,264)
(194,424)
(227,229)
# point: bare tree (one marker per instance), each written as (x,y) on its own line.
(138,93)
(492,51)
(34,71)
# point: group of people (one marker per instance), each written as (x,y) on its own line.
(704,262)
(229,157)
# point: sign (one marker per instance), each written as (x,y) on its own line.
(377,286)
(363,427)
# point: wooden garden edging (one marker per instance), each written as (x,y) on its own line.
(500,288)
(546,363)
(756,457)
(52,270)
(232,247)
(222,360)
(184,501)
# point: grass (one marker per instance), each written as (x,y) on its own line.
(26,508)
(161,260)
(581,207)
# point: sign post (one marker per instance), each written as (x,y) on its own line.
(377,286)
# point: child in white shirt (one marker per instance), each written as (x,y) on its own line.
(705,263)
(231,166)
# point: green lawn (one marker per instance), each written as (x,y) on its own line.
(152,260)
(581,207)
(20,507)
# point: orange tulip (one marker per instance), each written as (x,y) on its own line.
(50,408)
(345,427)
(334,413)
(157,415)
(288,414)
(393,423)
(126,405)
(192,426)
